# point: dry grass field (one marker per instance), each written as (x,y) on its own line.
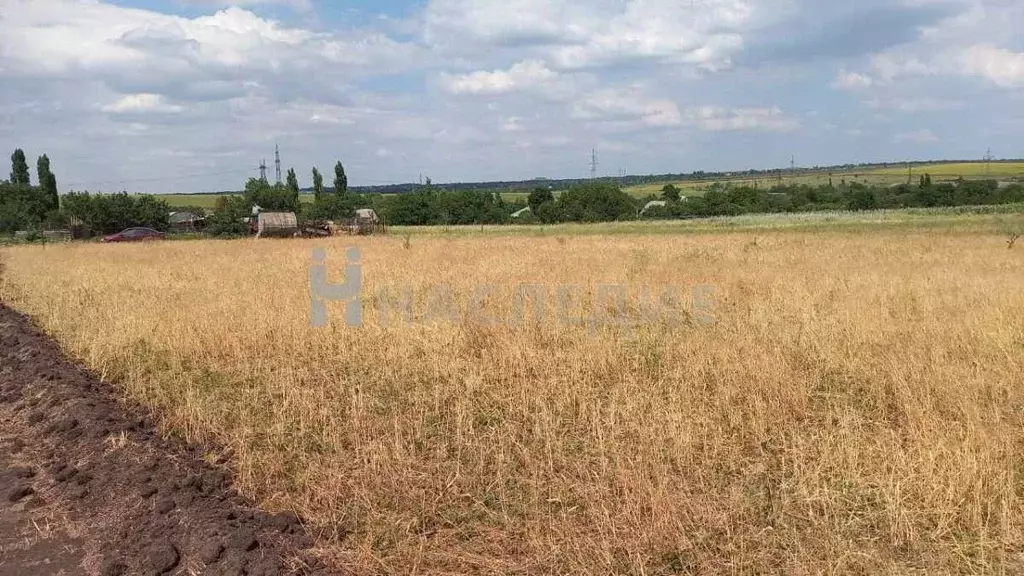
(856,407)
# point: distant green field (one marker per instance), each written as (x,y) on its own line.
(198,200)
(876,176)
(962,219)
(967,170)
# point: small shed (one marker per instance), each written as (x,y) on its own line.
(277,225)
(365,222)
(367,215)
(186,221)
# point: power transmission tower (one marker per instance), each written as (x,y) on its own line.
(277,162)
(263,170)
(988,162)
(792,163)
(593,164)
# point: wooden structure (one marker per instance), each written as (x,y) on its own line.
(365,222)
(186,221)
(78,229)
(277,225)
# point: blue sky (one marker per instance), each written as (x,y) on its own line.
(189,95)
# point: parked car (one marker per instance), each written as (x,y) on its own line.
(135,235)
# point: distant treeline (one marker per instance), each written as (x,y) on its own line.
(604,202)
(729,201)
(637,179)
(586,202)
(525,186)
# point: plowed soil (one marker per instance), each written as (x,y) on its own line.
(88,486)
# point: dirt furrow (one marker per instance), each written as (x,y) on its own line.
(88,486)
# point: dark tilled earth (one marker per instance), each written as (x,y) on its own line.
(88,486)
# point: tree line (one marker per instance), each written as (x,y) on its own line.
(735,200)
(24,205)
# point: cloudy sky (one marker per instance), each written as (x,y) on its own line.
(189,95)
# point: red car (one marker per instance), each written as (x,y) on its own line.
(135,235)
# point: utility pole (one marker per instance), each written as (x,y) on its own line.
(277,162)
(593,164)
(263,170)
(910,173)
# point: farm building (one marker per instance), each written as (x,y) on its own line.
(186,221)
(367,215)
(277,224)
(365,221)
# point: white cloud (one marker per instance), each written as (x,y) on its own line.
(852,81)
(512,124)
(136,103)
(572,35)
(627,105)
(913,105)
(922,136)
(717,119)
(951,47)
(525,74)
(1004,68)
(230,51)
(633,106)
(298,5)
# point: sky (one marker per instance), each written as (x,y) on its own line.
(190,95)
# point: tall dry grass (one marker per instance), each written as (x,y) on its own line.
(857,408)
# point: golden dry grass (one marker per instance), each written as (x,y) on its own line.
(857,408)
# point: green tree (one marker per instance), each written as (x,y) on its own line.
(340,179)
(19,168)
(109,213)
(595,202)
(670,192)
(538,197)
(292,185)
(270,197)
(318,184)
(228,218)
(48,182)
